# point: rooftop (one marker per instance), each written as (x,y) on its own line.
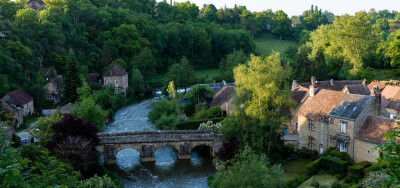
(223,96)
(391,97)
(351,106)
(359,89)
(116,71)
(20,96)
(57,80)
(374,129)
(336,85)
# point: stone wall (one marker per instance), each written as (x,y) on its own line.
(122,82)
(364,152)
(29,108)
(319,133)
(334,129)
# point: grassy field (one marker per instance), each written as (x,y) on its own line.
(295,168)
(200,76)
(266,43)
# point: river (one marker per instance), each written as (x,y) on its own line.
(167,170)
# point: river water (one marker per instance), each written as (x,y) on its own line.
(167,170)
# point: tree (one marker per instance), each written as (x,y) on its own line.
(182,74)
(171,89)
(258,83)
(282,24)
(71,79)
(43,132)
(89,111)
(230,62)
(146,63)
(106,57)
(199,93)
(249,170)
(390,155)
(136,82)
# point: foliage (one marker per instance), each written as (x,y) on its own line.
(209,126)
(89,111)
(195,124)
(182,74)
(307,153)
(314,184)
(231,61)
(356,172)
(228,149)
(75,150)
(336,185)
(334,165)
(15,140)
(166,114)
(43,131)
(331,151)
(296,182)
(198,93)
(213,112)
(171,89)
(95,181)
(390,155)
(249,170)
(71,79)
(313,167)
(135,83)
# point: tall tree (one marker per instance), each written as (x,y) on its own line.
(71,79)
(106,57)
(146,63)
(282,24)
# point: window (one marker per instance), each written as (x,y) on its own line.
(296,126)
(116,83)
(343,127)
(311,143)
(48,97)
(56,98)
(56,90)
(311,125)
(117,91)
(343,146)
(321,149)
(108,82)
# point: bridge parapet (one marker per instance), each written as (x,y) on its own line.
(146,142)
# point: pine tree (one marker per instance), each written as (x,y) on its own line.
(71,79)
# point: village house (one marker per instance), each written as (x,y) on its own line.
(345,121)
(35,4)
(391,100)
(223,99)
(54,89)
(17,104)
(118,78)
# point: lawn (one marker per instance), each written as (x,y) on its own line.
(200,76)
(265,44)
(324,180)
(295,168)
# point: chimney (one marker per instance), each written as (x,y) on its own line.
(313,80)
(376,89)
(215,84)
(294,84)
(331,82)
(378,104)
(312,90)
(365,82)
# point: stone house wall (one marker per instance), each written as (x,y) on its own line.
(29,108)
(318,134)
(334,129)
(364,152)
(51,95)
(122,85)
(17,116)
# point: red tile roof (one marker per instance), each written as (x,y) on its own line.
(116,71)
(321,104)
(374,129)
(20,96)
(382,84)
(391,97)
(336,85)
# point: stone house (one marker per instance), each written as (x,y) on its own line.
(223,99)
(54,89)
(35,4)
(118,78)
(359,89)
(11,111)
(391,100)
(23,100)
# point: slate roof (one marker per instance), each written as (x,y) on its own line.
(223,96)
(57,80)
(11,103)
(298,95)
(359,89)
(391,97)
(338,85)
(351,106)
(116,71)
(20,97)
(321,104)
(374,129)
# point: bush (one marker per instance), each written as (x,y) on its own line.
(166,122)
(313,167)
(214,112)
(289,150)
(308,153)
(194,125)
(356,172)
(373,168)
(336,185)
(331,151)
(188,109)
(347,179)
(15,141)
(334,165)
(96,181)
(296,182)
(314,184)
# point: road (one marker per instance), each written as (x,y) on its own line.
(25,135)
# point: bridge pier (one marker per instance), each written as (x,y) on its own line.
(147,154)
(185,151)
(109,154)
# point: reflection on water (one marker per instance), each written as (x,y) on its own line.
(167,170)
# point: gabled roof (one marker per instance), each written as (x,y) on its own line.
(57,80)
(321,104)
(382,84)
(351,106)
(223,96)
(116,71)
(20,96)
(336,85)
(298,95)
(391,97)
(359,89)
(374,129)
(11,103)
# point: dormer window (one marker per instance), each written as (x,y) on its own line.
(116,83)
(343,127)
(311,125)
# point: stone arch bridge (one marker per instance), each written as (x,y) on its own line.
(147,142)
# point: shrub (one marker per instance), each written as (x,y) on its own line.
(296,182)
(161,108)
(166,122)
(331,151)
(214,112)
(314,184)
(96,181)
(313,167)
(308,153)
(289,150)
(228,149)
(210,126)
(373,168)
(347,179)
(203,114)
(195,124)
(356,172)
(336,185)
(335,165)
(188,109)
(15,141)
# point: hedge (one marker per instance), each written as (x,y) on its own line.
(332,164)
(313,167)
(194,125)
(331,151)
(356,172)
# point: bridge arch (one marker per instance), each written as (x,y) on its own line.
(127,159)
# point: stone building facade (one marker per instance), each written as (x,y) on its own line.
(118,78)
(54,89)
